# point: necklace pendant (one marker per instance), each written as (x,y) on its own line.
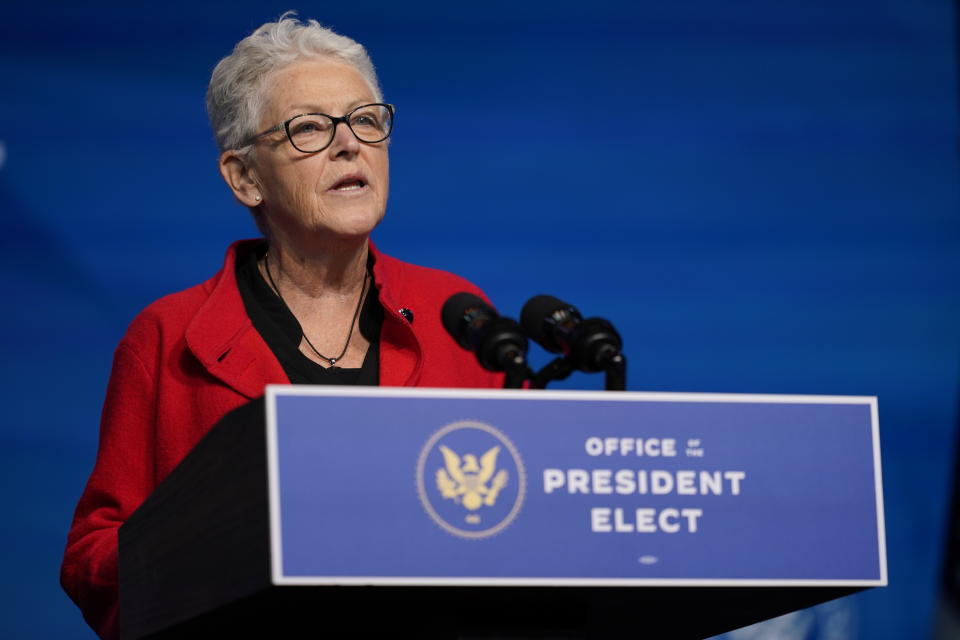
(332,361)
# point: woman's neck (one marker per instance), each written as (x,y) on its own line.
(320,270)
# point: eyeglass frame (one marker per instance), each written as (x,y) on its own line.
(345,119)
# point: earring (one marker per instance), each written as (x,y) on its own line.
(258,198)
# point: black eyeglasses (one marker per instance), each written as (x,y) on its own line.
(312,132)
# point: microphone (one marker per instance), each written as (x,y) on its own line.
(498,342)
(557,326)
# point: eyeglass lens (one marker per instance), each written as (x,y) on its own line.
(313,132)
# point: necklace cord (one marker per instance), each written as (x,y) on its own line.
(356,312)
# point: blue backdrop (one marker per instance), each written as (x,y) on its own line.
(762,195)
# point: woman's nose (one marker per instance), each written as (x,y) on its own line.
(344,142)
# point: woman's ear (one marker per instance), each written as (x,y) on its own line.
(240,177)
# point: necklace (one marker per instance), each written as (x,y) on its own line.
(356,312)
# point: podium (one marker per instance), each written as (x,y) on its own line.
(480,514)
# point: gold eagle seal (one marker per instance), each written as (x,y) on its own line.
(478,480)
(467,482)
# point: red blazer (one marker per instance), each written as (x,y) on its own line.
(191,357)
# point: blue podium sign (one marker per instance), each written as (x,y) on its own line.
(464,487)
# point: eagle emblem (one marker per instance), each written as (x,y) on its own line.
(465,481)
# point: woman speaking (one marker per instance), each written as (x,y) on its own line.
(303,132)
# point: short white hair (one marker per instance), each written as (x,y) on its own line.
(236,94)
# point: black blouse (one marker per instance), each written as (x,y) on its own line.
(282,332)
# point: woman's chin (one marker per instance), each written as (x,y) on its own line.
(356,225)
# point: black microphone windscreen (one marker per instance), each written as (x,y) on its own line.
(459,310)
(535,315)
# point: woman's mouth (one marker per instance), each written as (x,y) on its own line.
(349,184)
